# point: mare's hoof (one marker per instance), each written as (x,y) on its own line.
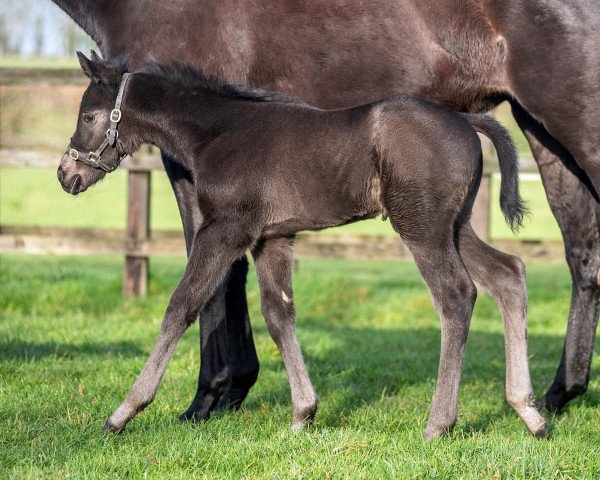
(194,416)
(232,399)
(548,404)
(199,410)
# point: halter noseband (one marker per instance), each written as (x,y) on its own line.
(94,159)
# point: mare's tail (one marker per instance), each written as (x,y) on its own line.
(511,203)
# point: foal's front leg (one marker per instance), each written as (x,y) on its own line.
(274,266)
(209,260)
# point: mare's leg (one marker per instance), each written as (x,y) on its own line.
(577,211)
(453,294)
(209,260)
(274,266)
(503,276)
(563,92)
(229,365)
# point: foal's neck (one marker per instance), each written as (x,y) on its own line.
(179,120)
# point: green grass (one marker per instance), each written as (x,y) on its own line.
(71,347)
(45,203)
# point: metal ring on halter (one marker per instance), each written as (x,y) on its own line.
(115,115)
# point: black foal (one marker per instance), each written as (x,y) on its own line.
(266,167)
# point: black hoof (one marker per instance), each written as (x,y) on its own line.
(193,417)
(550,403)
(232,399)
(198,411)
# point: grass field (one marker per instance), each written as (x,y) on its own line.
(70,348)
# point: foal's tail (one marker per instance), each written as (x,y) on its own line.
(511,203)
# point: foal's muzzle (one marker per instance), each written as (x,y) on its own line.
(74,177)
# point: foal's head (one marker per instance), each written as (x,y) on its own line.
(95,148)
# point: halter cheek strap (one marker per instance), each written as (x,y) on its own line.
(94,159)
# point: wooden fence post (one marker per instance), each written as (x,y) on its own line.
(135,282)
(480,218)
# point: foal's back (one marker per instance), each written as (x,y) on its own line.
(311,169)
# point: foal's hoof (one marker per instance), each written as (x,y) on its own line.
(304,416)
(534,421)
(109,427)
(432,433)
(301,422)
(299,426)
(542,431)
(119,418)
(538,426)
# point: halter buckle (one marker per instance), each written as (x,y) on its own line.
(115,115)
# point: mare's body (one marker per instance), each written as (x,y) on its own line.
(271,168)
(468,55)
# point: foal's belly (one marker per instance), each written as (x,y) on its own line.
(328,206)
(293,225)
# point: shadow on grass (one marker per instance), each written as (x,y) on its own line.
(33,351)
(372,364)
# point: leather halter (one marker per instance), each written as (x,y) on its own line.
(94,159)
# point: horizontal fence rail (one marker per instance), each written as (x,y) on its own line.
(109,241)
(138,243)
(42,76)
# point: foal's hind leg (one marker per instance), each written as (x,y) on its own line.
(453,294)
(503,276)
(210,258)
(274,266)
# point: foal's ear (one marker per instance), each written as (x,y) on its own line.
(89,67)
(95,56)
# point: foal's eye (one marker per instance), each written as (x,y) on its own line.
(88,117)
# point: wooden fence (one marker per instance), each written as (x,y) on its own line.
(137,243)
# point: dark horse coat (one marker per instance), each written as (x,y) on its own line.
(540,55)
(271,167)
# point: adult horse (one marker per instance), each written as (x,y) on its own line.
(541,55)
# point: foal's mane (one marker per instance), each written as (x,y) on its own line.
(187,77)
